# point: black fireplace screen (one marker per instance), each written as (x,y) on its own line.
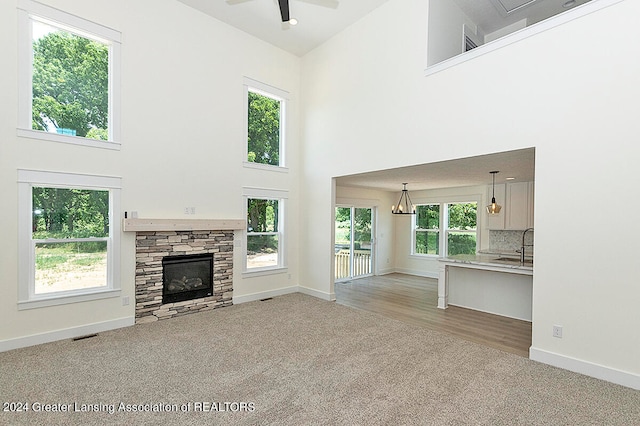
(187,277)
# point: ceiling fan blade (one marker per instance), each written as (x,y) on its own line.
(333,4)
(284,10)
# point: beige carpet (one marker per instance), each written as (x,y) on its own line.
(296,360)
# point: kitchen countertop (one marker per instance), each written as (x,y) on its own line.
(490,262)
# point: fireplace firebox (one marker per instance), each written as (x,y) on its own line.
(187,277)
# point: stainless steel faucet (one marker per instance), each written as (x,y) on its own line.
(522,248)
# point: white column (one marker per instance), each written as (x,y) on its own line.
(443,286)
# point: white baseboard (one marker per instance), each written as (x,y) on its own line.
(279,292)
(598,371)
(264,295)
(67,333)
(386,271)
(417,273)
(317,293)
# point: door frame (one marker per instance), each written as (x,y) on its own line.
(351,241)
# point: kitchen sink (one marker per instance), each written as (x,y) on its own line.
(514,260)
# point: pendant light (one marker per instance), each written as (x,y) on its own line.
(404,205)
(494,208)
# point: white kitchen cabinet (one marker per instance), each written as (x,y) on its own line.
(517,206)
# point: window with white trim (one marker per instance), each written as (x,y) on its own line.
(265,124)
(445,228)
(69,79)
(265,236)
(69,237)
(461,228)
(427,229)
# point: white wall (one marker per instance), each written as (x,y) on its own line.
(445,39)
(368,102)
(506,30)
(182,143)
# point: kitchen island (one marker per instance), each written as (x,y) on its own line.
(491,283)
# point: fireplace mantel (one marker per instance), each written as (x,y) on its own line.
(142,225)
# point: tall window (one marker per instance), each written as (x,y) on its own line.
(264,235)
(68,88)
(461,230)
(67,235)
(449,225)
(427,229)
(266,107)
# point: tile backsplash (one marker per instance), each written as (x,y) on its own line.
(510,241)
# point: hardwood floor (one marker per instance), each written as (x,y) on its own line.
(414,300)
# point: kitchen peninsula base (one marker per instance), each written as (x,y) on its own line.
(481,283)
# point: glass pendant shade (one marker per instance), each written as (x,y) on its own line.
(494,208)
(404,206)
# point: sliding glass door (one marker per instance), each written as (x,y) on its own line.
(353,242)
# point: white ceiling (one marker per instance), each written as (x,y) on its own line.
(470,171)
(319,20)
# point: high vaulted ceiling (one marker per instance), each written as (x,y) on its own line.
(319,20)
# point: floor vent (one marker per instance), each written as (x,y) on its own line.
(88,336)
(266,298)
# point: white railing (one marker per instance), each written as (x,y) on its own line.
(361,263)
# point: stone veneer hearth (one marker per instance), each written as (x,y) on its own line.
(152,246)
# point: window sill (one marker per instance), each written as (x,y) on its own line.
(424,256)
(47,301)
(268,167)
(73,140)
(265,271)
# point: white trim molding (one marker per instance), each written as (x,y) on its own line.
(331,297)
(264,295)
(67,333)
(587,368)
(27,179)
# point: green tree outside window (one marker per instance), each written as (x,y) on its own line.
(70,84)
(263,131)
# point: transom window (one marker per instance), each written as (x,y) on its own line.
(452,226)
(266,107)
(69,82)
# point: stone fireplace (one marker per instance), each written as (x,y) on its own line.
(152,246)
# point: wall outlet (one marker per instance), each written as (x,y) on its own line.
(134,214)
(125,300)
(189,210)
(557,331)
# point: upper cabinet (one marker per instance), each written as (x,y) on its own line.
(517,206)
